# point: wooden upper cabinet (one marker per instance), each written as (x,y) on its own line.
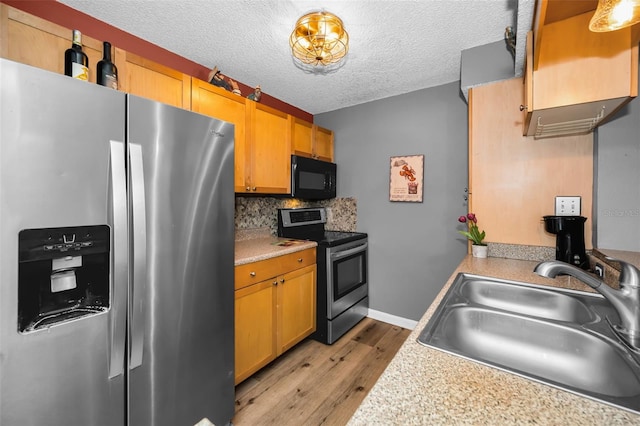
(323,143)
(575,79)
(301,137)
(148,79)
(514,179)
(33,41)
(215,102)
(268,151)
(310,140)
(262,134)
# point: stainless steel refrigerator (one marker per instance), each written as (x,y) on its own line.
(116,257)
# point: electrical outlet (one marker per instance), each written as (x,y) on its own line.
(599,271)
(567,206)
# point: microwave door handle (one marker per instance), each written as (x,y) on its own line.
(139,258)
(341,254)
(119,256)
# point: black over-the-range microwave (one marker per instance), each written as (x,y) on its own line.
(312,179)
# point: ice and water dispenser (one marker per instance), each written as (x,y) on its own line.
(63,274)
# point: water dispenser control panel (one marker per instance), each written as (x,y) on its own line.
(63,274)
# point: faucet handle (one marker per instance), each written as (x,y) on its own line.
(629,274)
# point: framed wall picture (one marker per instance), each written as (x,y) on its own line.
(406,178)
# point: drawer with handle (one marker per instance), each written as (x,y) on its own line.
(255,272)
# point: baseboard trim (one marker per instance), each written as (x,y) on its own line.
(392,319)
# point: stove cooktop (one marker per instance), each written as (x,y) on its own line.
(333,238)
(308,224)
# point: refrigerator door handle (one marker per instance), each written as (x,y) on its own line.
(139,233)
(119,256)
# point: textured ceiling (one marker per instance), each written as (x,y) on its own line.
(396,46)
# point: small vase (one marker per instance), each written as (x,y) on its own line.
(479,251)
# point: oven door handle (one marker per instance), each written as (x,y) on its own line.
(341,254)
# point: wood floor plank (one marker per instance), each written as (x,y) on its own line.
(300,402)
(372,332)
(348,395)
(314,383)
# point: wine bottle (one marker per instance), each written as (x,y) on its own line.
(76,62)
(107,71)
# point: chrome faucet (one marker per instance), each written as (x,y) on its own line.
(626,301)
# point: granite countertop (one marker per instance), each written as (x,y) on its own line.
(632,257)
(422,385)
(258,244)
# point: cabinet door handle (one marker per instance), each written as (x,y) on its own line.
(275,282)
(281,280)
(248,189)
(254,188)
(253,274)
(300,260)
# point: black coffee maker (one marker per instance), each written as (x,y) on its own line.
(569,231)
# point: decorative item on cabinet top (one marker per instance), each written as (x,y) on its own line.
(217,79)
(255,95)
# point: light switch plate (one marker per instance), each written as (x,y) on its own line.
(568,206)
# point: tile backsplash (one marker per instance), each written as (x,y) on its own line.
(261,212)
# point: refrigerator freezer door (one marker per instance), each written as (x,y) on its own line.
(187,355)
(55,171)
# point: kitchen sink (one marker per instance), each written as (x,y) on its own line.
(562,338)
(532,301)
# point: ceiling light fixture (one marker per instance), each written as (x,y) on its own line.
(613,15)
(319,40)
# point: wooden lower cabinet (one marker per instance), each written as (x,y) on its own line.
(273,315)
(255,325)
(296,302)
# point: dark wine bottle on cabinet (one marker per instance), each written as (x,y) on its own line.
(107,71)
(76,62)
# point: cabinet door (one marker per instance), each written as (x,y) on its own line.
(255,328)
(216,102)
(270,146)
(527,104)
(33,41)
(514,179)
(323,143)
(297,303)
(301,137)
(310,140)
(148,79)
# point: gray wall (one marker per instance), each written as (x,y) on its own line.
(618,181)
(484,64)
(414,247)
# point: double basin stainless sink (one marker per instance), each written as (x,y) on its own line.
(559,337)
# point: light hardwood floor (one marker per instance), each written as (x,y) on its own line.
(317,384)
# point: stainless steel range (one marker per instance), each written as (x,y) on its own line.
(342,288)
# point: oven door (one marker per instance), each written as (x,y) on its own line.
(346,276)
